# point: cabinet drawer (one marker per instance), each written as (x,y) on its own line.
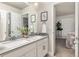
(20,51)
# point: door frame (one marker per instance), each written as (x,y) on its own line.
(76,28)
(54,23)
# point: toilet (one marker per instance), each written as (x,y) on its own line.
(70,41)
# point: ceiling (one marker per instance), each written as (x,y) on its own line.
(19,5)
(65,8)
(61,9)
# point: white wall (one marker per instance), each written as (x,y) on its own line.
(68,24)
(3,17)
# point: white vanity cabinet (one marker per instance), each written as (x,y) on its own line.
(38,48)
(42,47)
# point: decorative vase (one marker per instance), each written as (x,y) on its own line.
(24,35)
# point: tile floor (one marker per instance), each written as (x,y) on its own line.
(61,50)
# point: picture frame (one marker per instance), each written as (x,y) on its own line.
(44,16)
(33,18)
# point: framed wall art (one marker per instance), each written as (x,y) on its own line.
(44,16)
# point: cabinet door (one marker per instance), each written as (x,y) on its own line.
(42,48)
(30,53)
(0,56)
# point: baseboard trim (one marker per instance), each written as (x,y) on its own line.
(50,54)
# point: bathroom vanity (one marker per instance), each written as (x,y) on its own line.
(33,46)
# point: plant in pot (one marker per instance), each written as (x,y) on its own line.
(24,31)
(59,29)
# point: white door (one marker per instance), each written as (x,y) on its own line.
(76,29)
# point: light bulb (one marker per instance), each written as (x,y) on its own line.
(36,4)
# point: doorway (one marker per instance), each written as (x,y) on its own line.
(65,29)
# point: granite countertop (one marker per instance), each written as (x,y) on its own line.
(13,44)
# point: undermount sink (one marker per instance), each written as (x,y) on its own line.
(18,42)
